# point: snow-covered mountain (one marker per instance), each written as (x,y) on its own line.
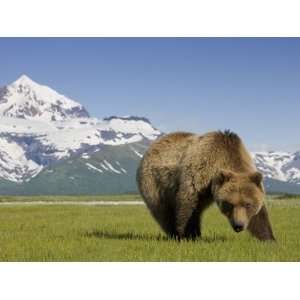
(50,144)
(27,99)
(40,127)
(281,166)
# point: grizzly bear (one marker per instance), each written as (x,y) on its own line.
(182,174)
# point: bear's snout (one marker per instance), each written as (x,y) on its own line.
(238,226)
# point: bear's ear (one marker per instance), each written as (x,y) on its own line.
(222,177)
(257,178)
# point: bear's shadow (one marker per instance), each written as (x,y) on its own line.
(104,234)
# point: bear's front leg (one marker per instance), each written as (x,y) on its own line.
(260,226)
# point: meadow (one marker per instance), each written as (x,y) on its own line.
(70,198)
(128,233)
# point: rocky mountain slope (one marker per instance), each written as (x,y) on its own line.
(49,144)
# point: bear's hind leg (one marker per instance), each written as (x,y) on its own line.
(169,226)
(165,217)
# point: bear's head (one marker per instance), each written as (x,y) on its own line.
(239,196)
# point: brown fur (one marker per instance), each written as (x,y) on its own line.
(181,174)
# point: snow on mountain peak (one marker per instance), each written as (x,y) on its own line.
(24,79)
(26,99)
(39,126)
(133,125)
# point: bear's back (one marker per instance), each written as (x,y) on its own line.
(218,150)
(168,150)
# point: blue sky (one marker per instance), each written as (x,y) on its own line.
(251,86)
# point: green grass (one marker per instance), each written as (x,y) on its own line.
(128,233)
(88,198)
(71,198)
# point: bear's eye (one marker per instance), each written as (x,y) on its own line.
(226,206)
